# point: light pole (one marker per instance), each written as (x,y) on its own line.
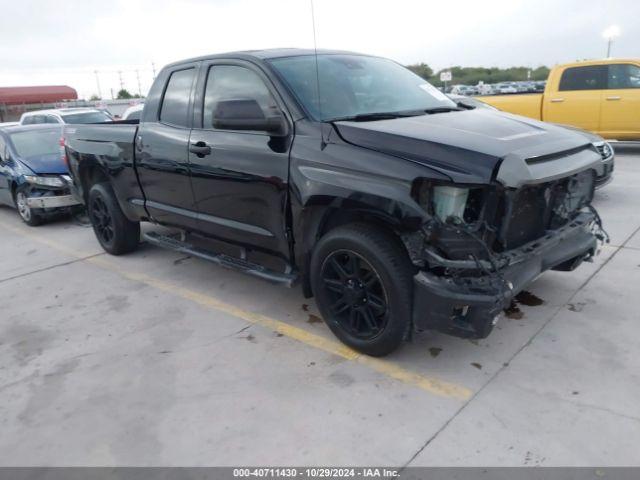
(609,34)
(98,83)
(139,88)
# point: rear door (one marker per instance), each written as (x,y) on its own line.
(240,186)
(620,117)
(576,98)
(162,156)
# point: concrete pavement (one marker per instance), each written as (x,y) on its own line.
(159,359)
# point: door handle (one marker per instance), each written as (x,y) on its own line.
(615,97)
(557,100)
(139,143)
(200,149)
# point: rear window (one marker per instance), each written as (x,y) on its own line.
(86,117)
(584,78)
(175,104)
(36,143)
(624,76)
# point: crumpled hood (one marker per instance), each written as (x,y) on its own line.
(468,146)
(42,164)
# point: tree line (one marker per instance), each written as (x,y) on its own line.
(122,94)
(473,75)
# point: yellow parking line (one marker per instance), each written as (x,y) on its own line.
(385,367)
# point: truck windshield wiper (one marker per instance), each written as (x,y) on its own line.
(369,117)
(442,109)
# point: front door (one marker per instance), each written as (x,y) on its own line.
(162,155)
(620,116)
(576,99)
(240,180)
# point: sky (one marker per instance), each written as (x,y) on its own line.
(86,43)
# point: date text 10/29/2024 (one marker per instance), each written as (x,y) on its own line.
(317,472)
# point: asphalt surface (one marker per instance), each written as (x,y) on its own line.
(160,359)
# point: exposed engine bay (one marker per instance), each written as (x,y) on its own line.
(488,242)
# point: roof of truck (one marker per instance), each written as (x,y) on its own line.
(267,54)
(601,61)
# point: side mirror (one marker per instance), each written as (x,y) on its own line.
(246,114)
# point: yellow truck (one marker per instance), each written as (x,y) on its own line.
(602,96)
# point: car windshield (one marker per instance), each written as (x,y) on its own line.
(36,143)
(85,117)
(356,85)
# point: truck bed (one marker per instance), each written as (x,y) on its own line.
(526,104)
(111,147)
(100,138)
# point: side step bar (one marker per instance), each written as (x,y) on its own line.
(172,243)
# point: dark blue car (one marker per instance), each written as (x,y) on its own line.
(33,174)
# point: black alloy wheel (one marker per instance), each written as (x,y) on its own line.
(102,220)
(115,232)
(362,279)
(358,301)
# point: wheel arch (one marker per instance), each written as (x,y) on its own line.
(17,183)
(90,172)
(323,214)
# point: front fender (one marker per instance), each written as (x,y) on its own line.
(344,179)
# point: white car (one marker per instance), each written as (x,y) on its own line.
(133,112)
(505,88)
(66,115)
(486,89)
(463,90)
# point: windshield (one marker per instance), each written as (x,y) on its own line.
(36,143)
(86,117)
(353,85)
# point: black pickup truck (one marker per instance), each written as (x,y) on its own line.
(398,210)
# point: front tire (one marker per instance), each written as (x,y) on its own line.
(363,283)
(115,232)
(27,214)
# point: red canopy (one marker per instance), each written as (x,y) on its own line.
(44,94)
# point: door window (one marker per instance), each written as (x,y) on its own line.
(34,119)
(623,76)
(230,82)
(591,77)
(175,104)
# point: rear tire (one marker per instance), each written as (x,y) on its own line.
(115,232)
(27,214)
(363,283)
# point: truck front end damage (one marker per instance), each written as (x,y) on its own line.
(481,245)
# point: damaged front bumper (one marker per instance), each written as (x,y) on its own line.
(467,300)
(50,193)
(54,201)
